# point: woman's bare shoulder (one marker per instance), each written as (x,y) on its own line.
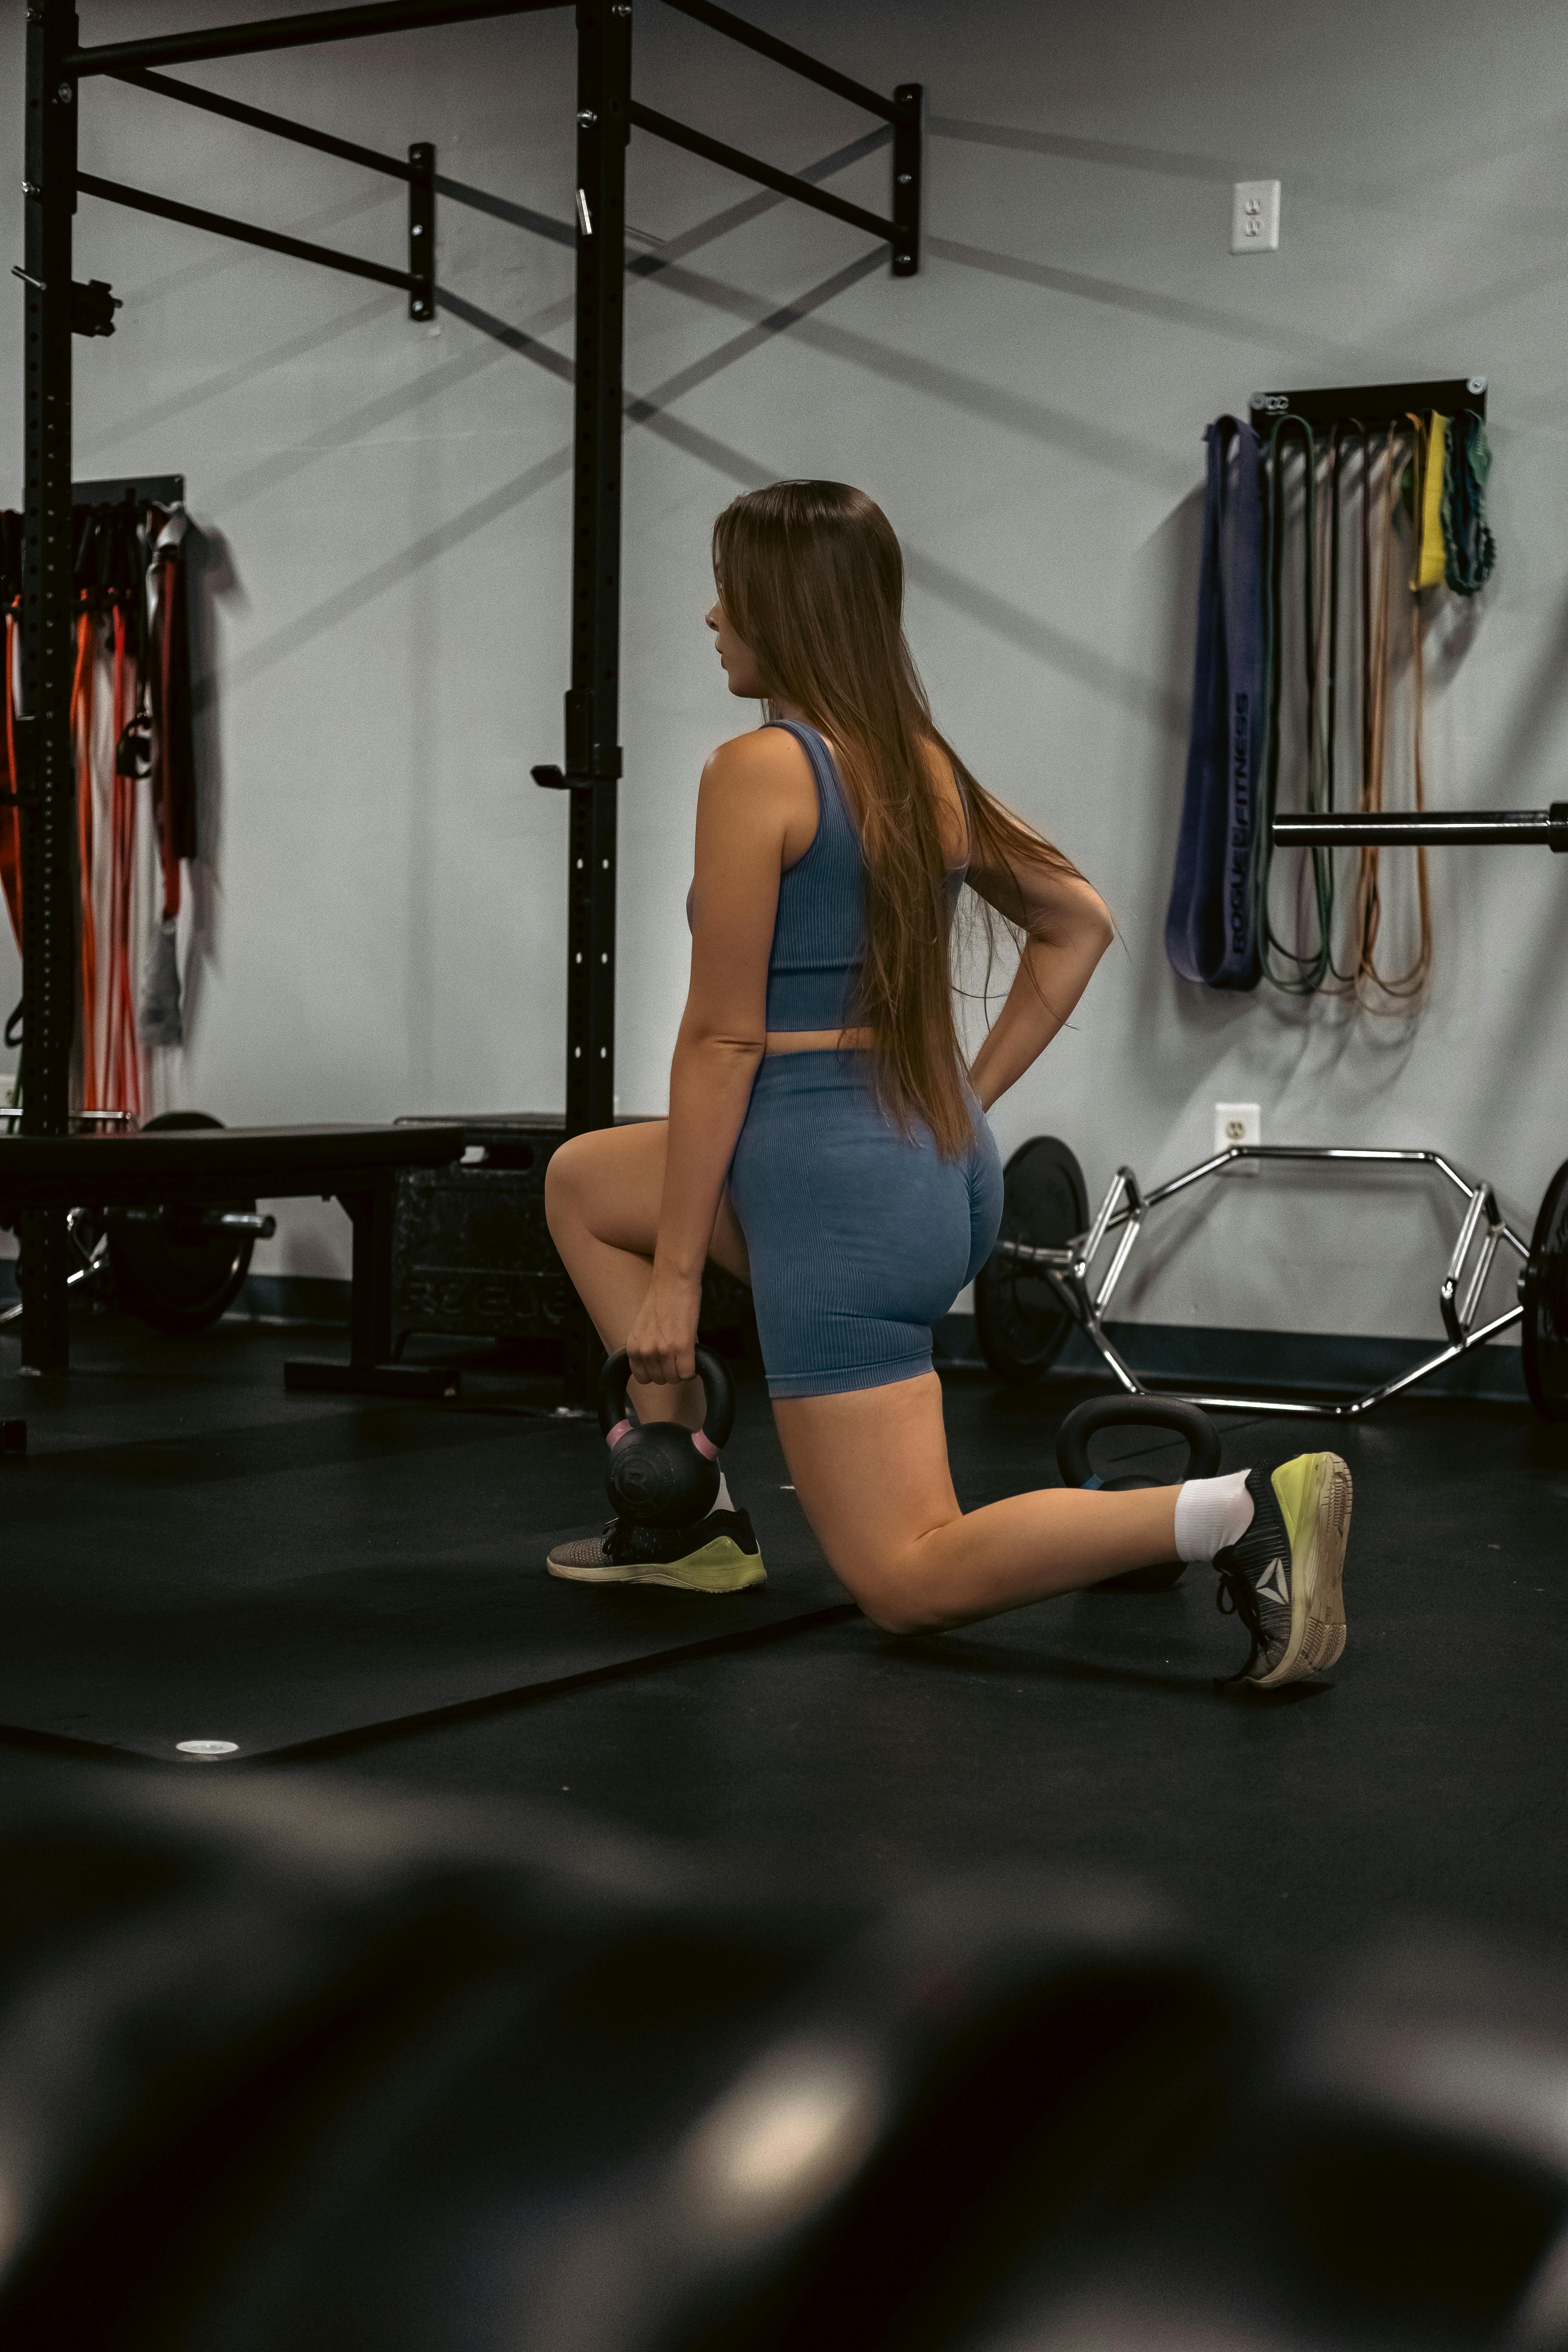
(767,772)
(760,752)
(759,785)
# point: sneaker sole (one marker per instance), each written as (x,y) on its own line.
(733,1571)
(1317,1576)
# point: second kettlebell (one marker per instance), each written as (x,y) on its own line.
(662,1474)
(1188,1420)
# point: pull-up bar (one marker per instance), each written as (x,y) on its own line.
(810,69)
(212,101)
(786,183)
(607,113)
(289,33)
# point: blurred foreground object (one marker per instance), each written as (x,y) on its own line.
(1396,2175)
(291,2067)
(288,2065)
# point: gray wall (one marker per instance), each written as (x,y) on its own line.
(387,512)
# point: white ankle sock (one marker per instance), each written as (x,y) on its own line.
(722,1500)
(1211,1513)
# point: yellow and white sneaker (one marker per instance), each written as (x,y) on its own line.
(719,1554)
(1284,1579)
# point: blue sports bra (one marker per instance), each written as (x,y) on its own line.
(819,931)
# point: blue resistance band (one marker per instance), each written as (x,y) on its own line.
(1209,927)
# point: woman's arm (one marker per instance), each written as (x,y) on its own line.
(740,819)
(1067,930)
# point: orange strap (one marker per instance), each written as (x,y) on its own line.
(82,714)
(1378,991)
(10,815)
(123,1050)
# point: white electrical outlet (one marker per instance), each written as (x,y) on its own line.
(1238,1123)
(1255,217)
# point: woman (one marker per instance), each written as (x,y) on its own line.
(826,1144)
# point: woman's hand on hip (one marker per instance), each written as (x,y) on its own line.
(662,1342)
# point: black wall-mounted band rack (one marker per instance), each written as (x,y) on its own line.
(147,490)
(1374,404)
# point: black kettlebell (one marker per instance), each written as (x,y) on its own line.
(1188,1420)
(662,1474)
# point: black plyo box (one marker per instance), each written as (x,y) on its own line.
(472,1256)
(471,1253)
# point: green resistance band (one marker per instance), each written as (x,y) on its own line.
(1470,549)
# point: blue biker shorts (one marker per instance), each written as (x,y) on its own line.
(860,1238)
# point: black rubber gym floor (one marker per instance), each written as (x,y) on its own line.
(356,1587)
(196,1554)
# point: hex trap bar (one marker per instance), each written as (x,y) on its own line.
(1070,1270)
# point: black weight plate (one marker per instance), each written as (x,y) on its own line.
(1019,1319)
(179,1278)
(1544,1295)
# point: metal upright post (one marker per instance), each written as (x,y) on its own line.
(421,229)
(593,734)
(593,745)
(46,778)
(908,173)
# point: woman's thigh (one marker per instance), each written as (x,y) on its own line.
(870,1472)
(612,1181)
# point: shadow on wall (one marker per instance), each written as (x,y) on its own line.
(1158,704)
(1530,740)
(1146,302)
(1169,163)
(1535,981)
(211,582)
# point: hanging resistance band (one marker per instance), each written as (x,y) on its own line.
(1469,547)
(122,1058)
(1228,924)
(1298,971)
(1209,926)
(10,781)
(81,723)
(1376,990)
(134,776)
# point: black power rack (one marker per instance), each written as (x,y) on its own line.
(56,67)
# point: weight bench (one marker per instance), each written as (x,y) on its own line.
(357,1166)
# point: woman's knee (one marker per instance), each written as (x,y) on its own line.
(892,1607)
(608,1185)
(563,1179)
(576,1177)
(889,1590)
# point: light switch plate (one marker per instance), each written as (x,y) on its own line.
(1255,217)
(1238,1123)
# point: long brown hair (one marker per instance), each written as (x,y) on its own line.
(811,576)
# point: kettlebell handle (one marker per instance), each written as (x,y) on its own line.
(719,1389)
(1188,1420)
